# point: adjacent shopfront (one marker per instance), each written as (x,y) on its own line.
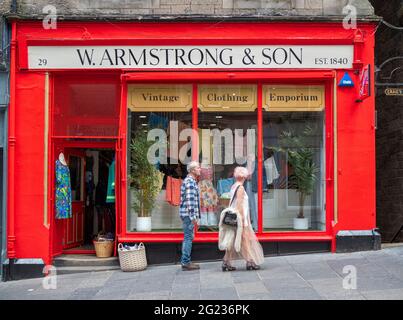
(265,95)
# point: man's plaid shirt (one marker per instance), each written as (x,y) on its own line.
(190,200)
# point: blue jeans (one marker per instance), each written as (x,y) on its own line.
(188,229)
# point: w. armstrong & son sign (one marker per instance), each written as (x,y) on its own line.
(190,57)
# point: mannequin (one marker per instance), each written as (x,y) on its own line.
(62,159)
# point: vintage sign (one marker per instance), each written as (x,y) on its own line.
(159,98)
(284,98)
(225,98)
(190,57)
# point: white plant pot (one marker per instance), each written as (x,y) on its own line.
(143,224)
(301,223)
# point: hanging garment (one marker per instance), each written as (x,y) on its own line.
(208,203)
(252,204)
(156,121)
(224,185)
(173,191)
(63,191)
(271,170)
(160,179)
(110,195)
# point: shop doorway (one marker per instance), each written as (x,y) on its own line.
(92,177)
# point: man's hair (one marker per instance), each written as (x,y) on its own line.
(191,165)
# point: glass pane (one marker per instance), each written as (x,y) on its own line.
(293,168)
(227,122)
(86,106)
(75,167)
(159,148)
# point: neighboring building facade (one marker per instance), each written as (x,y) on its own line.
(266,71)
(4,99)
(389,134)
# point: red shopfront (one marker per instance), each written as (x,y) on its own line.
(89,90)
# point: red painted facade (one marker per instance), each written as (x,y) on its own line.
(350,138)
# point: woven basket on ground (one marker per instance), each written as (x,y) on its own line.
(104,249)
(132,260)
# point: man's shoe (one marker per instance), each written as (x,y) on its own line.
(190,266)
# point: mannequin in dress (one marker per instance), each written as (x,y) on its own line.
(62,159)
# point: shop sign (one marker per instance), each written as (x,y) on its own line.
(218,98)
(394,92)
(159,98)
(190,57)
(365,85)
(285,98)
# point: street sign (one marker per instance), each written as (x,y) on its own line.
(394,92)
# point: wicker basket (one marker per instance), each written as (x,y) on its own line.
(132,260)
(104,249)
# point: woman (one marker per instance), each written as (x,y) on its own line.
(250,248)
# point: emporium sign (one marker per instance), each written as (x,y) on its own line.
(190,57)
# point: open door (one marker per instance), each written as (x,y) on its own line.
(74,226)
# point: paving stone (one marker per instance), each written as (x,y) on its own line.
(384,283)
(155,295)
(257,296)
(287,282)
(316,270)
(282,271)
(106,294)
(392,294)
(348,295)
(250,288)
(328,286)
(245,277)
(295,294)
(84,294)
(228,293)
(339,265)
(185,296)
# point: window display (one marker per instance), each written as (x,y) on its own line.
(293,158)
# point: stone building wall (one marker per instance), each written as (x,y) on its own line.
(389,134)
(145,9)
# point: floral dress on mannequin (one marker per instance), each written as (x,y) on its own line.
(208,198)
(63,191)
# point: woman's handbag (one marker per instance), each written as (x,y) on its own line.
(230,214)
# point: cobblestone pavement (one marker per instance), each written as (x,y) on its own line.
(308,277)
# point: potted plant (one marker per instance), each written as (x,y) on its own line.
(301,158)
(144,180)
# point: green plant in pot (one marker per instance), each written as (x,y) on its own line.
(305,171)
(144,180)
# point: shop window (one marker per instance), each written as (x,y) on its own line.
(293,158)
(159,147)
(86,106)
(227,127)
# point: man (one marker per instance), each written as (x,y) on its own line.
(189,211)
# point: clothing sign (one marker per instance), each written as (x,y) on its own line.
(191,57)
(284,98)
(227,98)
